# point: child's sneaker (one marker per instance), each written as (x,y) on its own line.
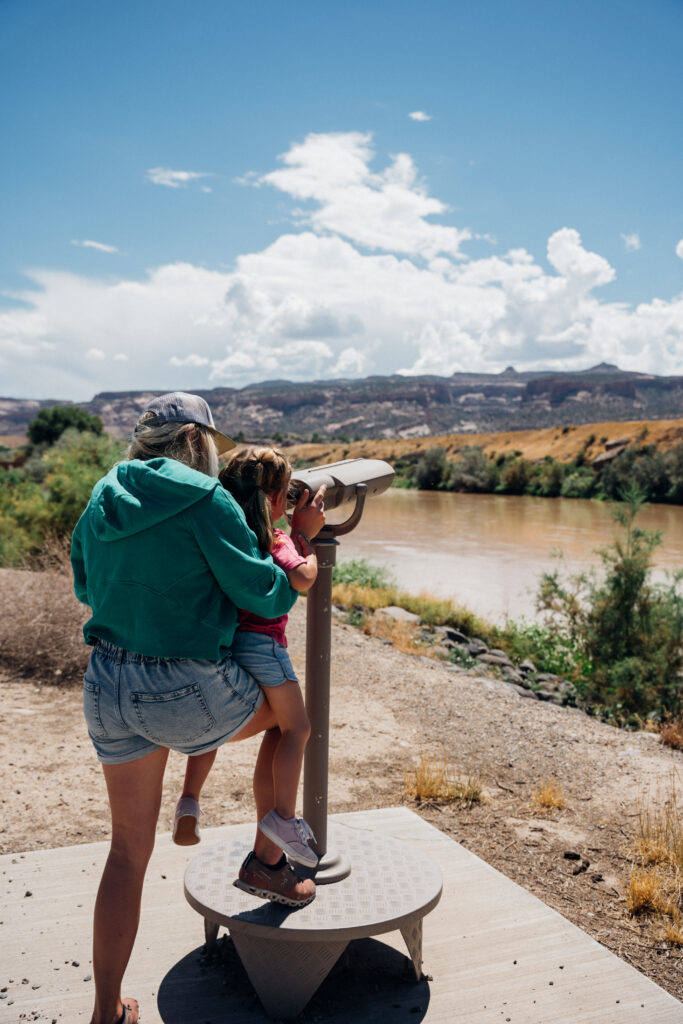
(292,836)
(276,882)
(186,822)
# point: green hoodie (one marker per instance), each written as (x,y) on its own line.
(164,557)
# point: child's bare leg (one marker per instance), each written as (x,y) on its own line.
(287,704)
(196,772)
(264,796)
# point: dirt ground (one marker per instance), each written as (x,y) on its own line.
(388,709)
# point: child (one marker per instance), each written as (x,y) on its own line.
(258,479)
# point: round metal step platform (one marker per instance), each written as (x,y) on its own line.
(287,953)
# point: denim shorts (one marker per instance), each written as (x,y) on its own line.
(263,658)
(135,704)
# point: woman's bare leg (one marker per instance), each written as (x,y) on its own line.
(135,798)
(196,772)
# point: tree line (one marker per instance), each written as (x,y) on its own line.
(657,475)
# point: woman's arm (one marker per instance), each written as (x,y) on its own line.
(247,577)
(78,565)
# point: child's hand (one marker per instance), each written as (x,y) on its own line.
(309,519)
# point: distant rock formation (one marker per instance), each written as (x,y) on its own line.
(398,406)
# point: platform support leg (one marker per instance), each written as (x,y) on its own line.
(412,935)
(285,975)
(210,935)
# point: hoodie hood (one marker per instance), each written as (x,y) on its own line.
(136,495)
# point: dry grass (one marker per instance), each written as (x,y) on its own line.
(402,635)
(673,931)
(432,610)
(41,623)
(660,829)
(429,782)
(549,796)
(533,444)
(645,890)
(671,733)
(352,595)
(654,883)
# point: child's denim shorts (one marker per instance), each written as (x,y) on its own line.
(263,658)
(135,704)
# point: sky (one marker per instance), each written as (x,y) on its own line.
(205,193)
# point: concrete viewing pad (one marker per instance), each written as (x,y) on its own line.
(492,951)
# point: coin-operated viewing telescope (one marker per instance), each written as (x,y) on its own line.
(342,479)
(352,480)
(346,481)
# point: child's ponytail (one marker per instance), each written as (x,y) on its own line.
(252,475)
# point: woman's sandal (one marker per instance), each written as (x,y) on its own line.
(131,1014)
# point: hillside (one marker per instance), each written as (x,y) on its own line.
(563,444)
(403,407)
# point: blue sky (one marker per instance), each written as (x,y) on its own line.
(262,204)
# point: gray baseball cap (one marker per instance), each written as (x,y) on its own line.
(179,407)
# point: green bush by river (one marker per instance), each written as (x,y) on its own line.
(658,475)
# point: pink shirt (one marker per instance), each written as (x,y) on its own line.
(287,557)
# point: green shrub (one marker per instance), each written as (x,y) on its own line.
(627,632)
(49,425)
(658,475)
(579,482)
(472,472)
(515,476)
(46,497)
(362,573)
(431,469)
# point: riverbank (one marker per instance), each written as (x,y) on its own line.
(567,462)
(389,710)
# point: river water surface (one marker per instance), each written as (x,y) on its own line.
(487,551)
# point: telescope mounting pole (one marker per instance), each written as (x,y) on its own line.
(332,868)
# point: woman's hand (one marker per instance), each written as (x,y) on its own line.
(309,519)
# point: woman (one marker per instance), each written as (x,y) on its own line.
(164,558)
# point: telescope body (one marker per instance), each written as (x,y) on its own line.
(341,480)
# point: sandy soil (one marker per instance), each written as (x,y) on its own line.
(388,709)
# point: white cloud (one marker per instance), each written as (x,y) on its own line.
(190,360)
(567,255)
(350,363)
(87,243)
(377,210)
(631,242)
(419,115)
(325,301)
(173,179)
(299,360)
(679,249)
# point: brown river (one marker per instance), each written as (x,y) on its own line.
(487,551)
